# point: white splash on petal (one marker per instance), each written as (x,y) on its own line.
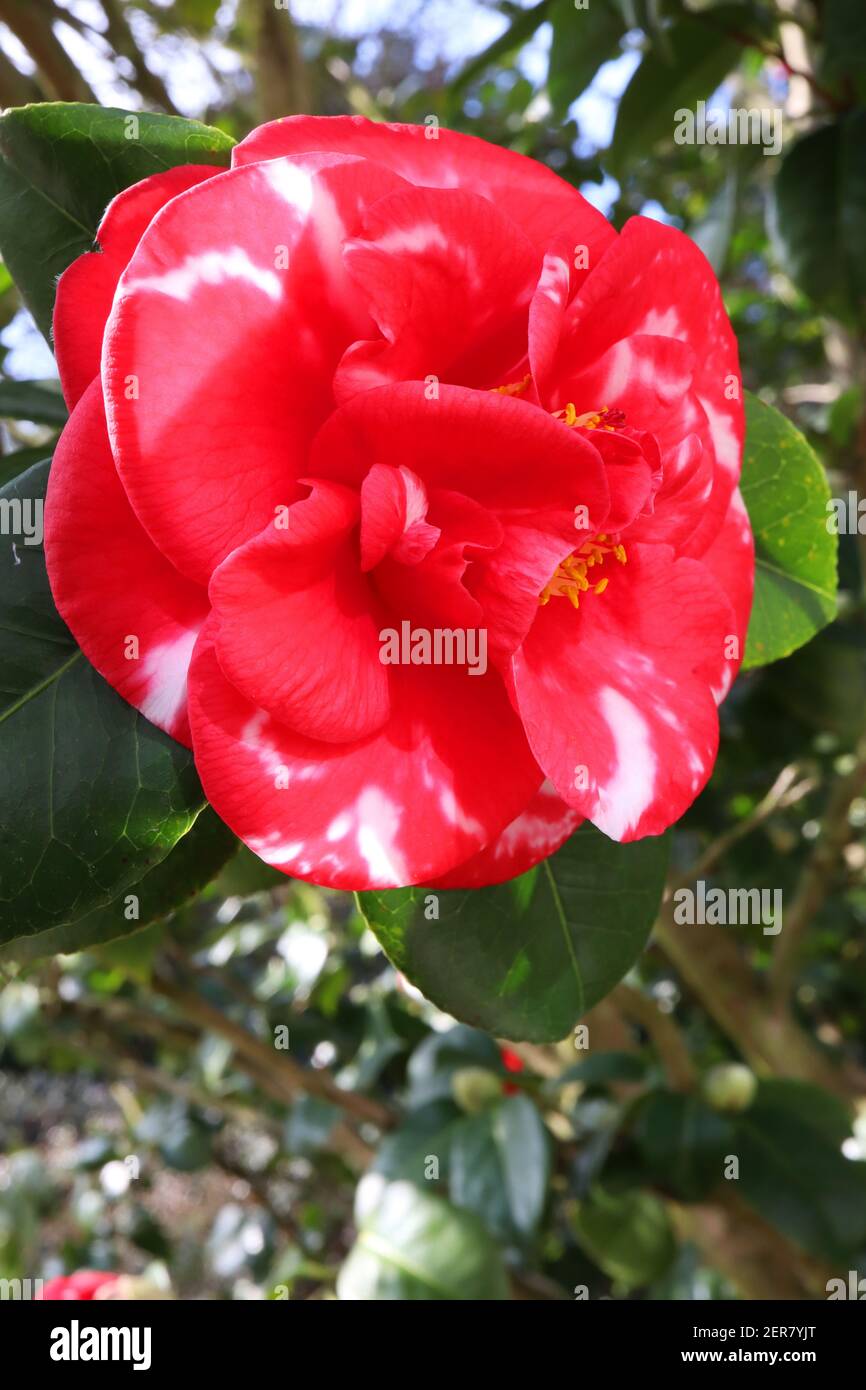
(379,820)
(164,673)
(629,790)
(208,268)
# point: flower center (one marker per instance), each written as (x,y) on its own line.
(605,418)
(570,578)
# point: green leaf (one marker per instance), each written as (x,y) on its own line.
(309,1125)
(424,1134)
(435,1060)
(14,464)
(413,1245)
(519,32)
(27,400)
(693,61)
(628,1235)
(817,217)
(61,163)
(785,491)
(683,1142)
(92,795)
(184,872)
(793,1173)
(843,25)
(499,1165)
(525,959)
(582,41)
(601,1067)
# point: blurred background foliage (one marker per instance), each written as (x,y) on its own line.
(246,1099)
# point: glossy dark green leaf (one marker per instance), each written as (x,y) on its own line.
(601,1067)
(627,1234)
(499,1164)
(92,795)
(673,76)
(27,400)
(61,163)
(793,1172)
(424,1135)
(683,1142)
(14,464)
(526,959)
(184,872)
(818,217)
(785,490)
(843,29)
(582,40)
(413,1245)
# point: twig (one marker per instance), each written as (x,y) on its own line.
(664,1034)
(817,875)
(782,793)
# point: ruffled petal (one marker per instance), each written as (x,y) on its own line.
(448,280)
(446,774)
(86,288)
(221,347)
(539,831)
(542,204)
(617,699)
(655,281)
(133,615)
(296,624)
(731,561)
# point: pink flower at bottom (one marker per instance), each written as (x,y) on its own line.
(78,1287)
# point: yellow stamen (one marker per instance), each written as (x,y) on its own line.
(513,388)
(605,418)
(569,579)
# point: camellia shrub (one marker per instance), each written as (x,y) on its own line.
(377,611)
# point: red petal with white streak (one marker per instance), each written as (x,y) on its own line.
(109,581)
(446,774)
(221,347)
(296,624)
(86,288)
(617,698)
(535,834)
(542,204)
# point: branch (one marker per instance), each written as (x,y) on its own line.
(31,22)
(284,82)
(817,875)
(122,40)
(287,1075)
(785,791)
(664,1034)
(757,1259)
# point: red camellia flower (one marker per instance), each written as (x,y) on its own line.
(82,1286)
(404,490)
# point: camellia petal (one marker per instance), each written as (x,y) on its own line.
(538,201)
(221,347)
(296,624)
(617,698)
(133,615)
(539,831)
(448,280)
(86,288)
(447,773)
